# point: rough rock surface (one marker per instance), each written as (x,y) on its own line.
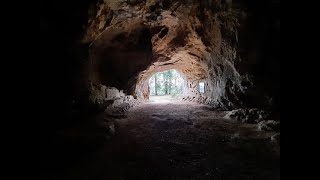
(276,138)
(232,46)
(269,125)
(252,115)
(110,104)
(111,99)
(181,140)
(203,40)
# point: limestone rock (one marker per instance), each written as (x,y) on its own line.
(130,40)
(275,138)
(269,125)
(252,115)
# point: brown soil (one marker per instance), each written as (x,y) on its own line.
(180,141)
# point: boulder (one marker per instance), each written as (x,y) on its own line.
(252,115)
(269,125)
(275,138)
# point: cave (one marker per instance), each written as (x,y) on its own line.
(166,86)
(162,89)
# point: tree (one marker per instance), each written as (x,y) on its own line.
(166,82)
(170,80)
(155,85)
(165,79)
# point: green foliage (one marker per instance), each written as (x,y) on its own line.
(166,83)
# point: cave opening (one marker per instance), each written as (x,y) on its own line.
(201,87)
(164,89)
(166,86)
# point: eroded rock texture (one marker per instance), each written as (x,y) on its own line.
(253,115)
(101,53)
(111,100)
(207,41)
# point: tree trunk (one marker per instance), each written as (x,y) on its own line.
(155,84)
(166,87)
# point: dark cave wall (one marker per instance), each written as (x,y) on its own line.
(120,60)
(65,59)
(65,78)
(251,79)
(244,61)
(259,49)
(231,45)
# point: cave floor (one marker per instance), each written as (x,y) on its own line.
(161,99)
(181,141)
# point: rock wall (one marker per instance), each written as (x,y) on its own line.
(207,41)
(110,98)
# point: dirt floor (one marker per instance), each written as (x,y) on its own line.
(162,99)
(178,140)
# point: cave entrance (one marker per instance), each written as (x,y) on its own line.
(165,86)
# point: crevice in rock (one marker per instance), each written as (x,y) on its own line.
(163,32)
